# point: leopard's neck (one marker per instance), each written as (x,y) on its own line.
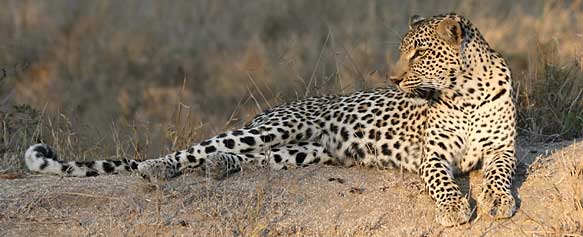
(484,77)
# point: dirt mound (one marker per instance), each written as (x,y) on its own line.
(315,201)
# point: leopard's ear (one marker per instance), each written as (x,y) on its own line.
(414,19)
(450,31)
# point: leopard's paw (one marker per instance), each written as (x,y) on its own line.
(453,213)
(157,170)
(220,165)
(497,205)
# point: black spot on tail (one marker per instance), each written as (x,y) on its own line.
(66,169)
(126,164)
(44,165)
(91,173)
(134,165)
(45,151)
(107,167)
(88,164)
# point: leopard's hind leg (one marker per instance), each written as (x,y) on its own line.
(250,140)
(220,164)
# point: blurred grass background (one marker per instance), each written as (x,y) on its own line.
(143,77)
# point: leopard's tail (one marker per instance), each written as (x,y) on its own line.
(41,158)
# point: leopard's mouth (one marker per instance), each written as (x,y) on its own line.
(427,93)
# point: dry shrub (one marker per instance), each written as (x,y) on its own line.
(142,72)
(550,101)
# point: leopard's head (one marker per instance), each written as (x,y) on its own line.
(430,54)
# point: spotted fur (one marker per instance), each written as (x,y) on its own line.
(451,111)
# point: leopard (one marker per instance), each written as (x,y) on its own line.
(448,110)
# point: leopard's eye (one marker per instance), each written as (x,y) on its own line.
(418,53)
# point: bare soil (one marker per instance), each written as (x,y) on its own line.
(312,201)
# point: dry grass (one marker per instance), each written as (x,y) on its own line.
(132,62)
(136,79)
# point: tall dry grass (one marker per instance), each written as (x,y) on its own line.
(138,78)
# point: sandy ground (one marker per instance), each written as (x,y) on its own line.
(313,201)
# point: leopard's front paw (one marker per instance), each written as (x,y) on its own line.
(157,170)
(454,212)
(497,205)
